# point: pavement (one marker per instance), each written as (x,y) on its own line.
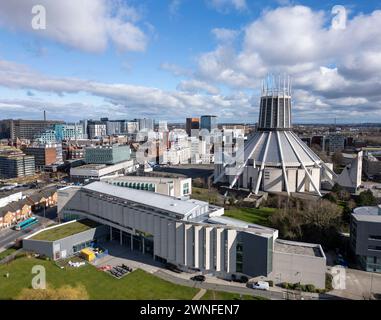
(359,285)
(121,255)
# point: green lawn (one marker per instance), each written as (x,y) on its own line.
(99,285)
(65,230)
(252,215)
(7,252)
(220,295)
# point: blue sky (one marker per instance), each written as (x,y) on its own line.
(170,59)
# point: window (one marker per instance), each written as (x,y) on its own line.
(375,248)
(374,237)
(239,257)
(186,188)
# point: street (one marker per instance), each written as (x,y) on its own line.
(8,236)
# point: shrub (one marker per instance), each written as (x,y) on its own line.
(310,288)
(328,282)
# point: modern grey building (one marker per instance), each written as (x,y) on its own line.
(62,247)
(107,154)
(14,164)
(146,124)
(189,233)
(365,237)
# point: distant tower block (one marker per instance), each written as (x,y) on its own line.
(274,159)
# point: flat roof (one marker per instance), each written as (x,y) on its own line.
(65,230)
(147,198)
(371,214)
(235,223)
(301,248)
(146,178)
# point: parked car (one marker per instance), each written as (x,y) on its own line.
(199,278)
(261,285)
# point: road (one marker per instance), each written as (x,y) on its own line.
(8,236)
(219,287)
(359,284)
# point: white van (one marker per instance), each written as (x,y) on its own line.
(261,285)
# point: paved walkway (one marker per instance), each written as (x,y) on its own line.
(199,294)
(120,254)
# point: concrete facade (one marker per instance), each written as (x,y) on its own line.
(306,266)
(64,247)
(365,237)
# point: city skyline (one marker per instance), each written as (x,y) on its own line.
(144,59)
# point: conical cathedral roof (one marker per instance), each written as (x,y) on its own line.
(277,148)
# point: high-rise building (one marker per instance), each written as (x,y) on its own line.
(96,129)
(208,122)
(132,126)
(192,124)
(146,124)
(15,164)
(45,154)
(68,132)
(25,129)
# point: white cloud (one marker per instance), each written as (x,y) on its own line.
(225,35)
(123,100)
(175,69)
(224,5)
(335,66)
(88,25)
(194,86)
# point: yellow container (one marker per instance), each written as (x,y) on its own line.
(88,254)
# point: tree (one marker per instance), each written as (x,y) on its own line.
(331,196)
(337,159)
(311,221)
(366,198)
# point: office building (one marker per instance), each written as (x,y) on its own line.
(96,129)
(95,172)
(15,164)
(365,237)
(208,122)
(25,129)
(146,124)
(174,187)
(192,124)
(334,142)
(45,154)
(107,154)
(132,126)
(68,132)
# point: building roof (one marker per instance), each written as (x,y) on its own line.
(299,248)
(244,226)
(289,148)
(369,214)
(147,198)
(145,178)
(64,230)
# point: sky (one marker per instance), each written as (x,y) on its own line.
(172,59)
